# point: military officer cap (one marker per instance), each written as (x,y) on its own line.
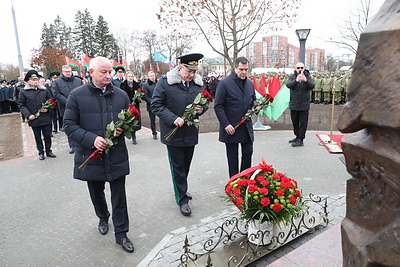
(54,74)
(119,69)
(32,74)
(3,81)
(191,61)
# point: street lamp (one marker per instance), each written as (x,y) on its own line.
(302,34)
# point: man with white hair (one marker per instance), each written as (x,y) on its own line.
(88,111)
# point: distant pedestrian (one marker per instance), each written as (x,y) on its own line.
(129,85)
(29,102)
(90,108)
(300,84)
(61,88)
(234,96)
(171,96)
(148,87)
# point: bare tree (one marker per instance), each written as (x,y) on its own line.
(352,27)
(176,44)
(233,23)
(151,44)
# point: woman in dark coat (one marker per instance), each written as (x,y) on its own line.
(129,85)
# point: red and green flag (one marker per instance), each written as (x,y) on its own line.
(73,63)
(116,64)
(86,60)
(126,65)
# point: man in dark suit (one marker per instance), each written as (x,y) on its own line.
(234,96)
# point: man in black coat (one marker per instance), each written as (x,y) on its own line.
(172,94)
(300,84)
(148,95)
(89,109)
(234,96)
(61,88)
(30,101)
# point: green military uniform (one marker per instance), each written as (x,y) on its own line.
(327,88)
(317,91)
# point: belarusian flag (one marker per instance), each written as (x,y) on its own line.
(86,60)
(151,67)
(116,64)
(274,86)
(281,100)
(126,65)
(72,62)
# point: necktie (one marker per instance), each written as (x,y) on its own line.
(187,84)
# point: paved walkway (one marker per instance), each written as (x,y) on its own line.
(47,218)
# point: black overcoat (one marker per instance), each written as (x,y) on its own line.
(233,98)
(88,111)
(30,100)
(300,91)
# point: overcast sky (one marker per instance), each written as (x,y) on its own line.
(321,16)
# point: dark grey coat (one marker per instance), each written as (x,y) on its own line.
(233,98)
(61,87)
(148,92)
(170,98)
(87,114)
(300,92)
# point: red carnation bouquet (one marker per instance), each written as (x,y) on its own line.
(138,96)
(259,104)
(126,119)
(189,116)
(263,194)
(49,104)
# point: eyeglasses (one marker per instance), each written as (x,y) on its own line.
(299,68)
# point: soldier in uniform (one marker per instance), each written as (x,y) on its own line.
(318,88)
(327,88)
(118,77)
(172,94)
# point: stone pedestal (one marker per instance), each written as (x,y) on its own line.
(371,229)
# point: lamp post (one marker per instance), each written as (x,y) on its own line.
(302,34)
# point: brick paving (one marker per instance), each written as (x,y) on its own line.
(48,220)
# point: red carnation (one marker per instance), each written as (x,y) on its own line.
(251,182)
(229,189)
(265,183)
(298,193)
(292,199)
(239,201)
(277,207)
(265,201)
(260,178)
(276,177)
(263,191)
(236,192)
(252,188)
(279,192)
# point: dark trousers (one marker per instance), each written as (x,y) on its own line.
(152,122)
(118,202)
(46,131)
(232,154)
(180,159)
(300,122)
(54,119)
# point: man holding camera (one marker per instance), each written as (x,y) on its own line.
(300,84)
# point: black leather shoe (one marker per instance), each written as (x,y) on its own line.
(72,150)
(155,136)
(126,244)
(293,140)
(41,156)
(103,227)
(185,209)
(50,155)
(188,195)
(299,142)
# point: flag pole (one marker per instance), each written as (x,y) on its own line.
(20,63)
(333,109)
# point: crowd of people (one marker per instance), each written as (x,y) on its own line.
(84,107)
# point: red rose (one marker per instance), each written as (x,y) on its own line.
(292,199)
(253,188)
(239,201)
(205,93)
(279,192)
(277,207)
(236,192)
(133,110)
(263,191)
(265,201)
(141,90)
